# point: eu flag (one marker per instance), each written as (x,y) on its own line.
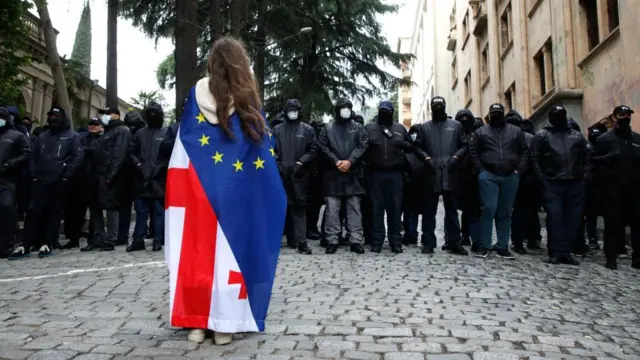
(225,210)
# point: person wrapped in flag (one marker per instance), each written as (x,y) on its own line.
(225,204)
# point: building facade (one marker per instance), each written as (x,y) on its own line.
(38,95)
(531,54)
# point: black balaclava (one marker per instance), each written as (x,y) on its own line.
(56,119)
(496,116)
(385,113)
(465,118)
(558,117)
(292,110)
(527,126)
(622,114)
(439,109)
(341,113)
(154,115)
(133,120)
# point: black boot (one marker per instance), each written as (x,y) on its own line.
(569,260)
(409,240)
(303,248)
(356,248)
(136,246)
(458,250)
(89,248)
(397,249)
(331,249)
(519,249)
(157,245)
(612,262)
(466,241)
(74,243)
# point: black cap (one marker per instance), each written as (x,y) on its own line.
(109,110)
(56,110)
(438,100)
(4,113)
(557,109)
(95,121)
(622,109)
(497,107)
(293,103)
(386,105)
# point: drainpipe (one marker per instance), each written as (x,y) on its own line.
(525,58)
(568,34)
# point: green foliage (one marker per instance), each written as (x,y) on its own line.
(75,77)
(14,35)
(143,98)
(339,58)
(82,46)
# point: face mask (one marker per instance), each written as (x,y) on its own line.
(105,119)
(496,120)
(3,122)
(54,121)
(345,113)
(558,121)
(292,115)
(438,111)
(385,117)
(624,123)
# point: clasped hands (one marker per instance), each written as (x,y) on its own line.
(343,165)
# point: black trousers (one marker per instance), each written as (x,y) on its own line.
(296,225)
(621,204)
(7,218)
(74,217)
(451,222)
(385,193)
(42,223)
(564,204)
(525,221)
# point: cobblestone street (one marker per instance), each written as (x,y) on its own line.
(107,306)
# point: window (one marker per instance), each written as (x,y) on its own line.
(509,97)
(589,10)
(538,60)
(544,70)
(465,26)
(505,28)
(454,72)
(484,64)
(467,88)
(612,14)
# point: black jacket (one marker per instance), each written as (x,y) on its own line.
(15,151)
(57,154)
(467,177)
(150,176)
(500,151)
(342,141)
(385,150)
(295,142)
(560,154)
(109,158)
(617,156)
(441,141)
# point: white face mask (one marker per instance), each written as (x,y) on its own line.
(345,113)
(3,122)
(292,115)
(105,119)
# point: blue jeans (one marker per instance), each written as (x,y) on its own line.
(497,194)
(143,206)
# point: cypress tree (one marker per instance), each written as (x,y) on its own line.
(82,46)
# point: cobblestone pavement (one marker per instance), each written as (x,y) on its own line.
(108,306)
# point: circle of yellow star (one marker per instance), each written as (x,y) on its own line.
(217,157)
(204,140)
(270,134)
(200,118)
(238,165)
(259,163)
(273,152)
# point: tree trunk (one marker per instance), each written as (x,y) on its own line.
(215,20)
(237,17)
(186,56)
(53,58)
(112,53)
(261,52)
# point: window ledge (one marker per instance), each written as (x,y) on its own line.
(485,82)
(505,51)
(598,49)
(534,7)
(468,103)
(455,83)
(544,98)
(465,41)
